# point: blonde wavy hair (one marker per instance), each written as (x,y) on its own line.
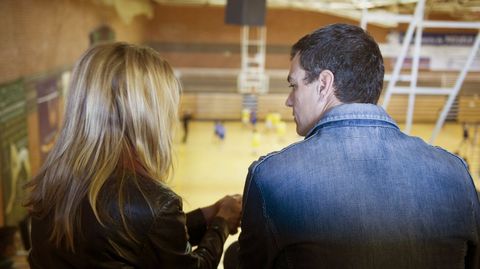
(121,110)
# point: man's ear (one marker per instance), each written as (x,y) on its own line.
(325,83)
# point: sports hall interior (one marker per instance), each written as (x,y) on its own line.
(40,41)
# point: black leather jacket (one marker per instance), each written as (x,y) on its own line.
(164,239)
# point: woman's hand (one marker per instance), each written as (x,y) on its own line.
(228,208)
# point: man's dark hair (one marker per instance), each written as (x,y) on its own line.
(351,54)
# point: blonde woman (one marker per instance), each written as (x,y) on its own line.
(100,200)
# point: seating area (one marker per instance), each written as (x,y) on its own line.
(469,109)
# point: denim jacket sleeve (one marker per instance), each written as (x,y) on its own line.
(168,238)
(472,260)
(256,241)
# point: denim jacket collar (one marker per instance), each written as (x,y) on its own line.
(355,114)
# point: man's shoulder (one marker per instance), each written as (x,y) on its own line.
(437,152)
(434,159)
(283,159)
(447,155)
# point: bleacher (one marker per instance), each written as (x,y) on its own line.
(469,109)
(213,96)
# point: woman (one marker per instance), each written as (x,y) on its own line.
(100,199)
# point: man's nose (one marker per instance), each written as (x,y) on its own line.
(288,102)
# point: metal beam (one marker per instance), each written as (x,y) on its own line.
(414,71)
(418,23)
(403,52)
(456,89)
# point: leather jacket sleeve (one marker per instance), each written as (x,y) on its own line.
(196,226)
(168,239)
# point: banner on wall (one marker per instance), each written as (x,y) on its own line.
(14,157)
(444,39)
(48,108)
(101,34)
(439,51)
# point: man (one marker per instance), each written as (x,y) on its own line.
(186,118)
(357,192)
(8,248)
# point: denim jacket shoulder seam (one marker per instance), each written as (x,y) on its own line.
(279,152)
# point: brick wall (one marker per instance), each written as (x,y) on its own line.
(38,36)
(196,36)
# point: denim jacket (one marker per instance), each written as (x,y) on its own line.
(359,193)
